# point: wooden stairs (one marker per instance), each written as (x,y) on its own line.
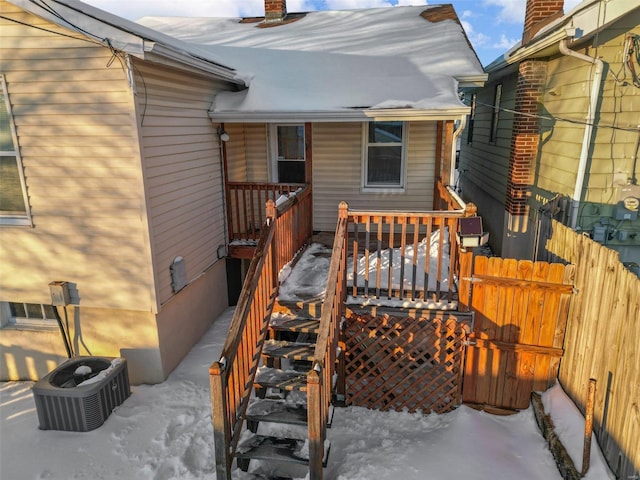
(277,446)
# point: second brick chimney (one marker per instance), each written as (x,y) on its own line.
(538,14)
(275,10)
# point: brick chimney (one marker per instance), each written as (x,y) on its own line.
(275,10)
(538,14)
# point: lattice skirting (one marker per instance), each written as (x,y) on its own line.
(397,362)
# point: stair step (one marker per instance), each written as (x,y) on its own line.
(289,350)
(285,323)
(289,380)
(275,449)
(277,412)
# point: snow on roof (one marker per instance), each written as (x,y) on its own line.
(122,34)
(349,63)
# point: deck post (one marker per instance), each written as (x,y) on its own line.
(464,276)
(221,428)
(315,412)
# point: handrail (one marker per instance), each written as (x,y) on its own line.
(389,247)
(320,379)
(294,224)
(286,229)
(231,377)
(245,201)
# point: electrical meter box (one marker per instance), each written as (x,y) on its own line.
(60,296)
(627,210)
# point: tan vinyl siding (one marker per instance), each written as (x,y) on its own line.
(236,158)
(567,96)
(182,169)
(75,127)
(257,152)
(337,172)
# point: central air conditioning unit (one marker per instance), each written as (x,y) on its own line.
(80,394)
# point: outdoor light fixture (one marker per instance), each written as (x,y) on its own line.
(224,136)
(470,233)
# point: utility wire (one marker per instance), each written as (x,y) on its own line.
(554,119)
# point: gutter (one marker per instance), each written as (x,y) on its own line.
(456,133)
(588,129)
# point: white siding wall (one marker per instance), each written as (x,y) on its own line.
(76,132)
(337,172)
(182,169)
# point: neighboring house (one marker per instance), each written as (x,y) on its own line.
(560,116)
(110,171)
(120,165)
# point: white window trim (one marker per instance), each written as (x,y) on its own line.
(273,148)
(15,220)
(403,165)
(19,323)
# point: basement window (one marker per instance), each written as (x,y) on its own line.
(16,314)
(13,193)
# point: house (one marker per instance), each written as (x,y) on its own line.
(360,104)
(111,184)
(133,152)
(557,124)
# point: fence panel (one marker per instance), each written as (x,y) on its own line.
(520,310)
(603,342)
(396,361)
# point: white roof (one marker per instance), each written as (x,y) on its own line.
(127,36)
(350,64)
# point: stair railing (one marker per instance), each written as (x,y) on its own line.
(325,372)
(231,377)
(286,229)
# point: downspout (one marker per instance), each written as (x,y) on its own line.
(456,133)
(588,129)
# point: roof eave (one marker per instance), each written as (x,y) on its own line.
(468,81)
(354,115)
(124,37)
(165,54)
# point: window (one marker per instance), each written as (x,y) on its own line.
(27,314)
(384,163)
(13,197)
(472,117)
(289,152)
(495,114)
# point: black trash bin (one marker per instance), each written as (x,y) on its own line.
(80,394)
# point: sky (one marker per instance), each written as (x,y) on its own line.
(493,26)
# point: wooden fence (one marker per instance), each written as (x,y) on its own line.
(602,342)
(520,314)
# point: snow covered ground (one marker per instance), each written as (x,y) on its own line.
(163,432)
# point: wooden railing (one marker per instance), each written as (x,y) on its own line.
(326,372)
(231,377)
(404,257)
(446,198)
(294,224)
(283,233)
(245,206)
